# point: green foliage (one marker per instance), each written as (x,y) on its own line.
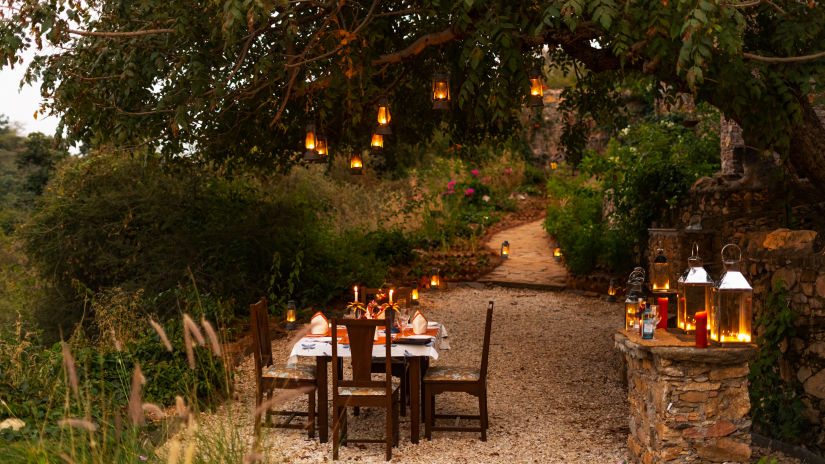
(775,405)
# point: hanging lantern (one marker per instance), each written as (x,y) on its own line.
(377,141)
(554,165)
(694,290)
(635,293)
(311,144)
(384,116)
(414,292)
(321,147)
(435,279)
(441,91)
(505,249)
(356,166)
(611,292)
(536,91)
(730,318)
(557,254)
(290,315)
(660,273)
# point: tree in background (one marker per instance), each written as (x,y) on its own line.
(239,79)
(37,161)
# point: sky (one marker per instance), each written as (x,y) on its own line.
(18,104)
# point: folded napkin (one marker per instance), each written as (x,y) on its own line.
(380,314)
(319,325)
(419,323)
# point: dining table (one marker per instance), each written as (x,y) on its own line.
(416,349)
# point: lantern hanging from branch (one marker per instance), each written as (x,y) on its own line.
(356,166)
(435,279)
(660,273)
(694,290)
(730,318)
(377,141)
(536,91)
(611,291)
(505,249)
(635,292)
(290,315)
(321,147)
(384,116)
(311,144)
(441,91)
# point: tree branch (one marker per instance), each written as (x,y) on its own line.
(435,38)
(120,34)
(778,59)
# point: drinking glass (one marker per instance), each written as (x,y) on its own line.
(657,317)
(403,318)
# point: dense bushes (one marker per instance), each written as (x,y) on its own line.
(601,216)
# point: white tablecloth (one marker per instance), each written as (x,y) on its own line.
(322,346)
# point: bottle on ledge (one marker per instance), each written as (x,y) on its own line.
(648,323)
(641,313)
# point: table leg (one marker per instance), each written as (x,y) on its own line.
(323,398)
(415,398)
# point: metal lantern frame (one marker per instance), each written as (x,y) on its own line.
(384,117)
(441,90)
(505,249)
(635,291)
(731,318)
(660,273)
(536,88)
(694,284)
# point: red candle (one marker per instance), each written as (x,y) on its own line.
(702,329)
(662,313)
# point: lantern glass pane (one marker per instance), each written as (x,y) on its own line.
(377,141)
(660,277)
(631,318)
(355,162)
(441,91)
(692,299)
(535,87)
(310,141)
(383,115)
(733,314)
(322,146)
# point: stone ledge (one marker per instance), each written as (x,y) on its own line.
(667,346)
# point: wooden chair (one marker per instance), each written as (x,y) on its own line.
(400,367)
(439,379)
(361,390)
(269,377)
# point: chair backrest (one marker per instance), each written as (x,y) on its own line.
(261,341)
(485,351)
(369,293)
(361,333)
(403,295)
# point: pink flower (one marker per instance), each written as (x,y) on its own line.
(486,179)
(475,172)
(508,171)
(451,183)
(469,192)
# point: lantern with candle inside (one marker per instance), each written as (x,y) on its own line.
(441,91)
(694,292)
(321,147)
(311,144)
(384,116)
(635,291)
(730,318)
(611,292)
(554,165)
(660,273)
(414,293)
(505,249)
(536,91)
(435,279)
(356,166)
(290,315)
(377,142)
(557,254)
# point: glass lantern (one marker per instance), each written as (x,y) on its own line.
(414,293)
(536,90)
(635,292)
(441,91)
(321,147)
(290,315)
(377,142)
(435,279)
(310,143)
(694,292)
(730,318)
(505,249)
(356,166)
(660,273)
(384,116)
(557,254)
(611,291)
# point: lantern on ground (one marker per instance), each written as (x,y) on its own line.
(356,166)
(730,318)
(414,293)
(311,144)
(660,273)
(536,91)
(505,249)
(384,116)
(694,292)
(441,91)
(435,279)
(377,142)
(611,291)
(290,315)
(557,254)
(635,292)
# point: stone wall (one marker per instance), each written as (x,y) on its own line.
(687,404)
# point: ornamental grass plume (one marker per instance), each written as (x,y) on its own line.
(213,337)
(78,424)
(68,363)
(162,334)
(135,403)
(154,411)
(192,327)
(187,345)
(189,453)
(254,457)
(181,409)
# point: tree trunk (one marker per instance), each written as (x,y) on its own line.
(808,146)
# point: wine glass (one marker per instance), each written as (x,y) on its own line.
(656,316)
(403,318)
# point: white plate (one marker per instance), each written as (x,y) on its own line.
(418,337)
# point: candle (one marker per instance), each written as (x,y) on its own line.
(662,313)
(702,329)
(391,290)
(356,292)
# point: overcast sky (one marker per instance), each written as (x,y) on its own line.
(20,104)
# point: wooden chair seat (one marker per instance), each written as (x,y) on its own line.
(452,374)
(289,371)
(365,391)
